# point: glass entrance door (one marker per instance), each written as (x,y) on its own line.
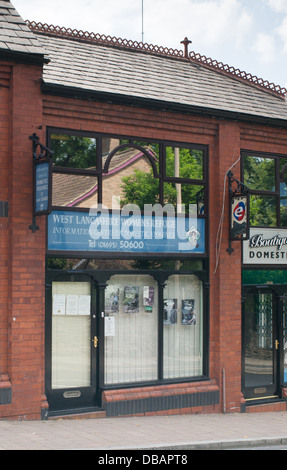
(72,343)
(260,343)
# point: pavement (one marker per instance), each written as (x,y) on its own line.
(149,433)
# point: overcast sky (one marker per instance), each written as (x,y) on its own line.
(248,34)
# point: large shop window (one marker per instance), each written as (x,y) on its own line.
(135,321)
(266,177)
(131,325)
(183,327)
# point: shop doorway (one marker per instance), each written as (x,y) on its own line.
(73,342)
(263,341)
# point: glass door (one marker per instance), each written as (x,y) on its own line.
(72,343)
(260,344)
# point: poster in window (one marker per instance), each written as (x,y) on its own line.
(148,298)
(188,312)
(112,295)
(131,299)
(170,312)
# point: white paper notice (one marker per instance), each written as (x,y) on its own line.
(84,304)
(109,326)
(72,305)
(59,304)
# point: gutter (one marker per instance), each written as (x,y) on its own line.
(153,104)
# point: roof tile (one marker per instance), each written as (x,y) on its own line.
(104,69)
(14,33)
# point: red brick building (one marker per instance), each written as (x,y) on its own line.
(93,317)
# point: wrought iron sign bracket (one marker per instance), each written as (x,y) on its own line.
(238,211)
(42,180)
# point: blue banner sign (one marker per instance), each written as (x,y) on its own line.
(75,231)
(42,187)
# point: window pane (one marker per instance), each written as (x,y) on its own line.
(184,163)
(189,195)
(258,340)
(285,336)
(263,277)
(131,329)
(263,211)
(130,179)
(71,337)
(74,190)
(259,173)
(73,151)
(183,326)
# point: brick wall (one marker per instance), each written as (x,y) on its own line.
(5,385)
(22,361)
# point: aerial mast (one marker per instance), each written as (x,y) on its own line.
(142,21)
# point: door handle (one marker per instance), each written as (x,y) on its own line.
(276,344)
(95,341)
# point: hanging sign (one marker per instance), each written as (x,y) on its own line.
(42,180)
(239,217)
(238,209)
(42,186)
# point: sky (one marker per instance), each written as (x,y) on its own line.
(250,35)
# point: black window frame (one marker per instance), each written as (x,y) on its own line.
(160,275)
(266,193)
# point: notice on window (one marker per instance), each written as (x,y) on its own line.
(84,305)
(109,326)
(59,304)
(72,307)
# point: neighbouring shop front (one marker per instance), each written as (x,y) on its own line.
(264,279)
(127,296)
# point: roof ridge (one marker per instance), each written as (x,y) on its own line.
(196,57)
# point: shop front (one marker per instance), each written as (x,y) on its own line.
(264,280)
(126,284)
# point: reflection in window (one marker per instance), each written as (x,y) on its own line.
(186,198)
(263,211)
(130,179)
(183,326)
(71,190)
(72,151)
(184,163)
(259,173)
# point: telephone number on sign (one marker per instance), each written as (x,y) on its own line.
(113,245)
